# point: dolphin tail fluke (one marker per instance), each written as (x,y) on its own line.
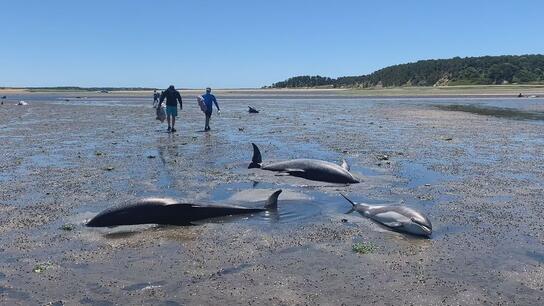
(257,159)
(345,165)
(272,202)
(352,203)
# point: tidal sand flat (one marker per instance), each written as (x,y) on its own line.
(473,165)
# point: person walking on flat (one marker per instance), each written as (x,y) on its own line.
(172,97)
(209,100)
(156,97)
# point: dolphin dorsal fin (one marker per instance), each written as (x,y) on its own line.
(256,160)
(345,165)
(272,202)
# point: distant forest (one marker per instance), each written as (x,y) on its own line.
(485,70)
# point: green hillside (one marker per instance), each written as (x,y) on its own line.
(485,70)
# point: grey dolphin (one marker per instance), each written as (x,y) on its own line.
(162,211)
(397,217)
(312,169)
(252,110)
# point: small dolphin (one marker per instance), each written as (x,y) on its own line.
(163,211)
(312,169)
(397,217)
(253,110)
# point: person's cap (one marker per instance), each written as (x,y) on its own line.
(171,86)
(208,89)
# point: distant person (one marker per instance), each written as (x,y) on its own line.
(172,97)
(156,97)
(209,100)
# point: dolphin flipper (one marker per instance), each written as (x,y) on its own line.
(272,202)
(282,174)
(256,160)
(390,218)
(392,224)
(295,172)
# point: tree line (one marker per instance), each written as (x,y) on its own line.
(484,70)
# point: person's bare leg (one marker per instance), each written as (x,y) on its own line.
(168,119)
(207,127)
(173,121)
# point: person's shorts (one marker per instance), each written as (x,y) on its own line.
(172,110)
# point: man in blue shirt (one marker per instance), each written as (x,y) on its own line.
(172,98)
(209,100)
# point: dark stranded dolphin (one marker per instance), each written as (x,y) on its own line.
(162,211)
(397,217)
(312,169)
(252,110)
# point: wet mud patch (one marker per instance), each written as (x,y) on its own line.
(473,256)
(500,112)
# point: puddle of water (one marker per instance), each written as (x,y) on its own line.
(144,286)
(94,302)
(165,182)
(14,294)
(50,160)
(296,207)
(535,255)
(366,171)
(501,112)
(293,207)
(224,192)
(419,175)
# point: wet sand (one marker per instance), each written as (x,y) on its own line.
(512,90)
(479,176)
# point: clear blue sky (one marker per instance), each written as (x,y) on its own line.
(247,43)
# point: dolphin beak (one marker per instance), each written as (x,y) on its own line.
(427,228)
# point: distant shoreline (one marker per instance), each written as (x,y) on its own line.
(442,91)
